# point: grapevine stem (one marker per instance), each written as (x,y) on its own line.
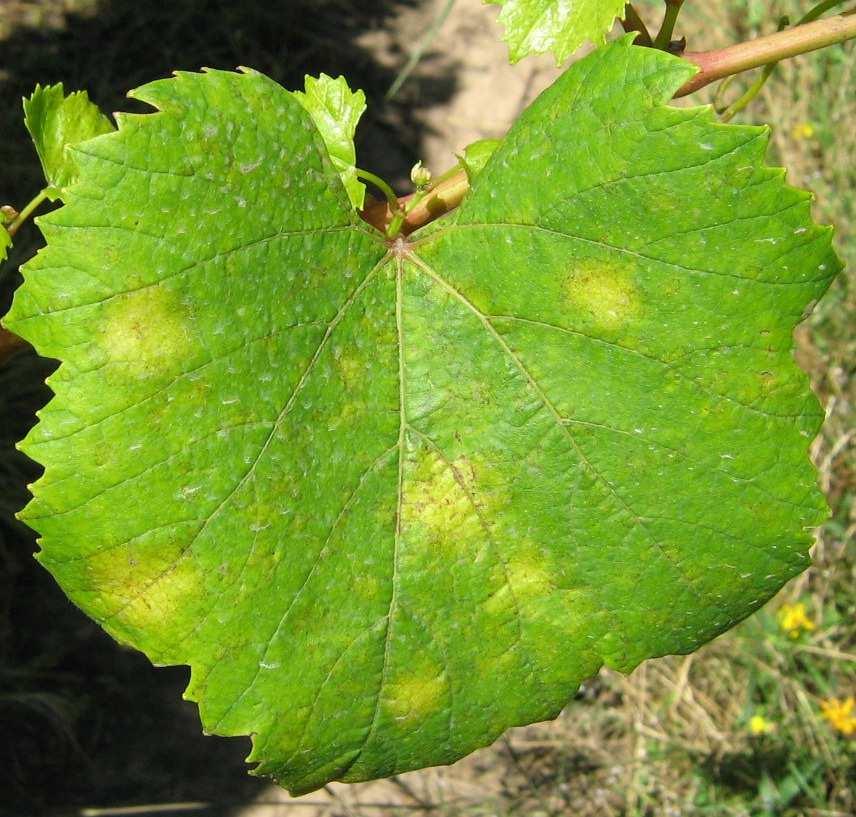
(749,94)
(394,228)
(444,196)
(26,212)
(381,185)
(713,65)
(791,42)
(755,88)
(664,35)
(730,111)
(413,200)
(438,180)
(633,22)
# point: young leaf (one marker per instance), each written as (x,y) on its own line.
(560,26)
(55,122)
(336,109)
(475,156)
(5,242)
(389,500)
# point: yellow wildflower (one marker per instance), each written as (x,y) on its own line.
(803,130)
(759,725)
(840,714)
(793,619)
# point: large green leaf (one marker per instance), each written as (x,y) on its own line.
(56,122)
(387,501)
(559,26)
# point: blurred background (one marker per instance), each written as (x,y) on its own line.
(760,722)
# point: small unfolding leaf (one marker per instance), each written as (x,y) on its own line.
(559,26)
(475,156)
(336,110)
(56,122)
(388,499)
(5,242)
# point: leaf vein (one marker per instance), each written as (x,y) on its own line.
(251,469)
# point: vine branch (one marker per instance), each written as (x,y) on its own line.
(30,208)
(633,22)
(782,45)
(713,66)
(664,35)
(754,89)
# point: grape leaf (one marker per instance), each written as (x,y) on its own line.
(475,156)
(560,26)
(336,110)
(55,122)
(5,242)
(388,499)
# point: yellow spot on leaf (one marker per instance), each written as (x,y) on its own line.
(412,698)
(604,292)
(352,370)
(146,332)
(525,578)
(143,596)
(353,413)
(767,381)
(439,500)
(367,587)
(529,575)
(159,602)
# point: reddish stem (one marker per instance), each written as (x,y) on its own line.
(791,42)
(444,197)
(714,65)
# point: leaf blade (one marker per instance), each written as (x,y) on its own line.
(57,122)
(596,282)
(419,492)
(557,26)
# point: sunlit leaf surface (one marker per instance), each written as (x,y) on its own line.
(389,500)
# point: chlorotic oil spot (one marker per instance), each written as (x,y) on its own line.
(439,501)
(413,697)
(146,333)
(604,292)
(141,600)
